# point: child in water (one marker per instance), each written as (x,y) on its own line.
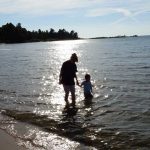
(87,86)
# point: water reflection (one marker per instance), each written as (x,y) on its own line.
(64,49)
(69,111)
(51,95)
(88,102)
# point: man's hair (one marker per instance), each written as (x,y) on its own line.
(74,57)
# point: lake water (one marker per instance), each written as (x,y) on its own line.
(117,118)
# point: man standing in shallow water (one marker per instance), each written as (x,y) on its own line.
(66,77)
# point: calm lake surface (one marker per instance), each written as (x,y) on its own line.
(117,118)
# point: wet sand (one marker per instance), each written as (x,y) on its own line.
(8,142)
(16,135)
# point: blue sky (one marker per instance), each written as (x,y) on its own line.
(90,18)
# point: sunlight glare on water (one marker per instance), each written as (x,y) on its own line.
(52,94)
(64,49)
(62,52)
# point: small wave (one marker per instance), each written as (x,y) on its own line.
(24,60)
(144,67)
(7,92)
(35,95)
(5,49)
(134,118)
(4,75)
(72,130)
(103,138)
(146,112)
(107,111)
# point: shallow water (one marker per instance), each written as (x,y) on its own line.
(118,116)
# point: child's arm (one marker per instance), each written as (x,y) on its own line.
(92,87)
(81,84)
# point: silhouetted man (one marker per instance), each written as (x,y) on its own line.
(66,77)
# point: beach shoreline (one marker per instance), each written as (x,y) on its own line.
(8,142)
(16,135)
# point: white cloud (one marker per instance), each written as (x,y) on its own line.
(129,10)
(37,7)
(132,16)
(107,11)
(93,7)
(125,12)
(124,7)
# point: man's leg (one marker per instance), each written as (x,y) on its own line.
(72,89)
(66,89)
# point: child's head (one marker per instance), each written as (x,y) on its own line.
(87,77)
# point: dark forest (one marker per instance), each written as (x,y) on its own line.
(10,33)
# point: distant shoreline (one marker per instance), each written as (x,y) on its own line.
(124,36)
(119,36)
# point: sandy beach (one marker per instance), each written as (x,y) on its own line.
(16,135)
(8,142)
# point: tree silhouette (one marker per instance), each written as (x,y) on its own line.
(16,34)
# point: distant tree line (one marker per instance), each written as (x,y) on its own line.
(16,34)
(118,36)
